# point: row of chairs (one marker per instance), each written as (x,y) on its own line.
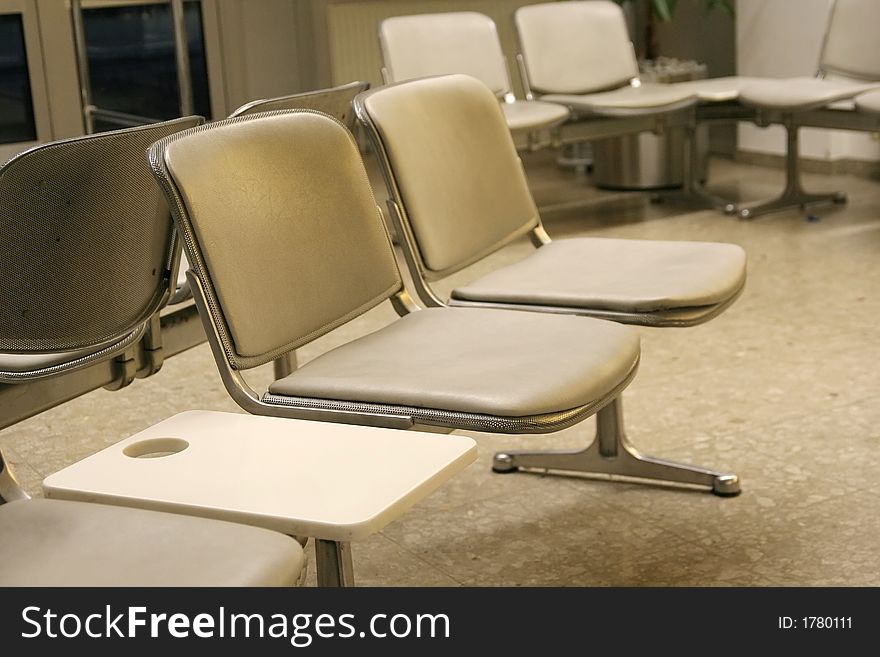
(578,67)
(91,258)
(285,243)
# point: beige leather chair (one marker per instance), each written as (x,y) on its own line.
(460,42)
(849,66)
(88,257)
(579,54)
(458,193)
(276,265)
(89,251)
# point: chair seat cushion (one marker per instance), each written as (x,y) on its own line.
(460,359)
(716,90)
(627,101)
(800,94)
(629,276)
(533,114)
(869,102)
(61,543)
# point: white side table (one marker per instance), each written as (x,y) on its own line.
(334,482)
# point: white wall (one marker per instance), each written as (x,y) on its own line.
(782,38)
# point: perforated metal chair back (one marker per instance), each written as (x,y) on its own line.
(281,228)
(87,241)
(335,101)
(451,167)
(852,46)
(423,45)
(575,47)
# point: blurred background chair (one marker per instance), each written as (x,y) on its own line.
(461,42)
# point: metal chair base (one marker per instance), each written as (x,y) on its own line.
(692,195)
(611,454)
(793,195)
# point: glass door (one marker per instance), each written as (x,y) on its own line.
(24,118)
(140,62)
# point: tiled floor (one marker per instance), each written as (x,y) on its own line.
(784,389)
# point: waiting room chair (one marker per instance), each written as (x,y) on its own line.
(88,257)
(460,42)
(276,265)
(849,65)
(579,54)
(90,251)
(458,193)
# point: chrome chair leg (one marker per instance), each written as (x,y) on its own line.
(333,563)
(284,365)
(692,194)
(10,489)
(794,194)
(612,454)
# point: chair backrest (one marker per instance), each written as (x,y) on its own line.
(852,45)
(88,242)
(451,164)
(439,44)
(575,47)
(335,101)
(280,227)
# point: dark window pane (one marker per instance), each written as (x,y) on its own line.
(132,67)
(16,104)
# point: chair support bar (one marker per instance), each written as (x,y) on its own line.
(612,454)
(10,489)
(333,563)
(794,194)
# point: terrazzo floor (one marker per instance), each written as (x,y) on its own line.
(783,388)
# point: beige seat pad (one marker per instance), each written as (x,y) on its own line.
(533,114)
(716,90)
(60,543)
(647,99)
(496,362)
(869,102)
(630,276)
(800,93)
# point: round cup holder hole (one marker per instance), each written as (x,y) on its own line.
(155,448)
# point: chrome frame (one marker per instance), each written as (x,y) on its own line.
(612,455)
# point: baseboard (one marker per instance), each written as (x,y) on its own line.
(860,168)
